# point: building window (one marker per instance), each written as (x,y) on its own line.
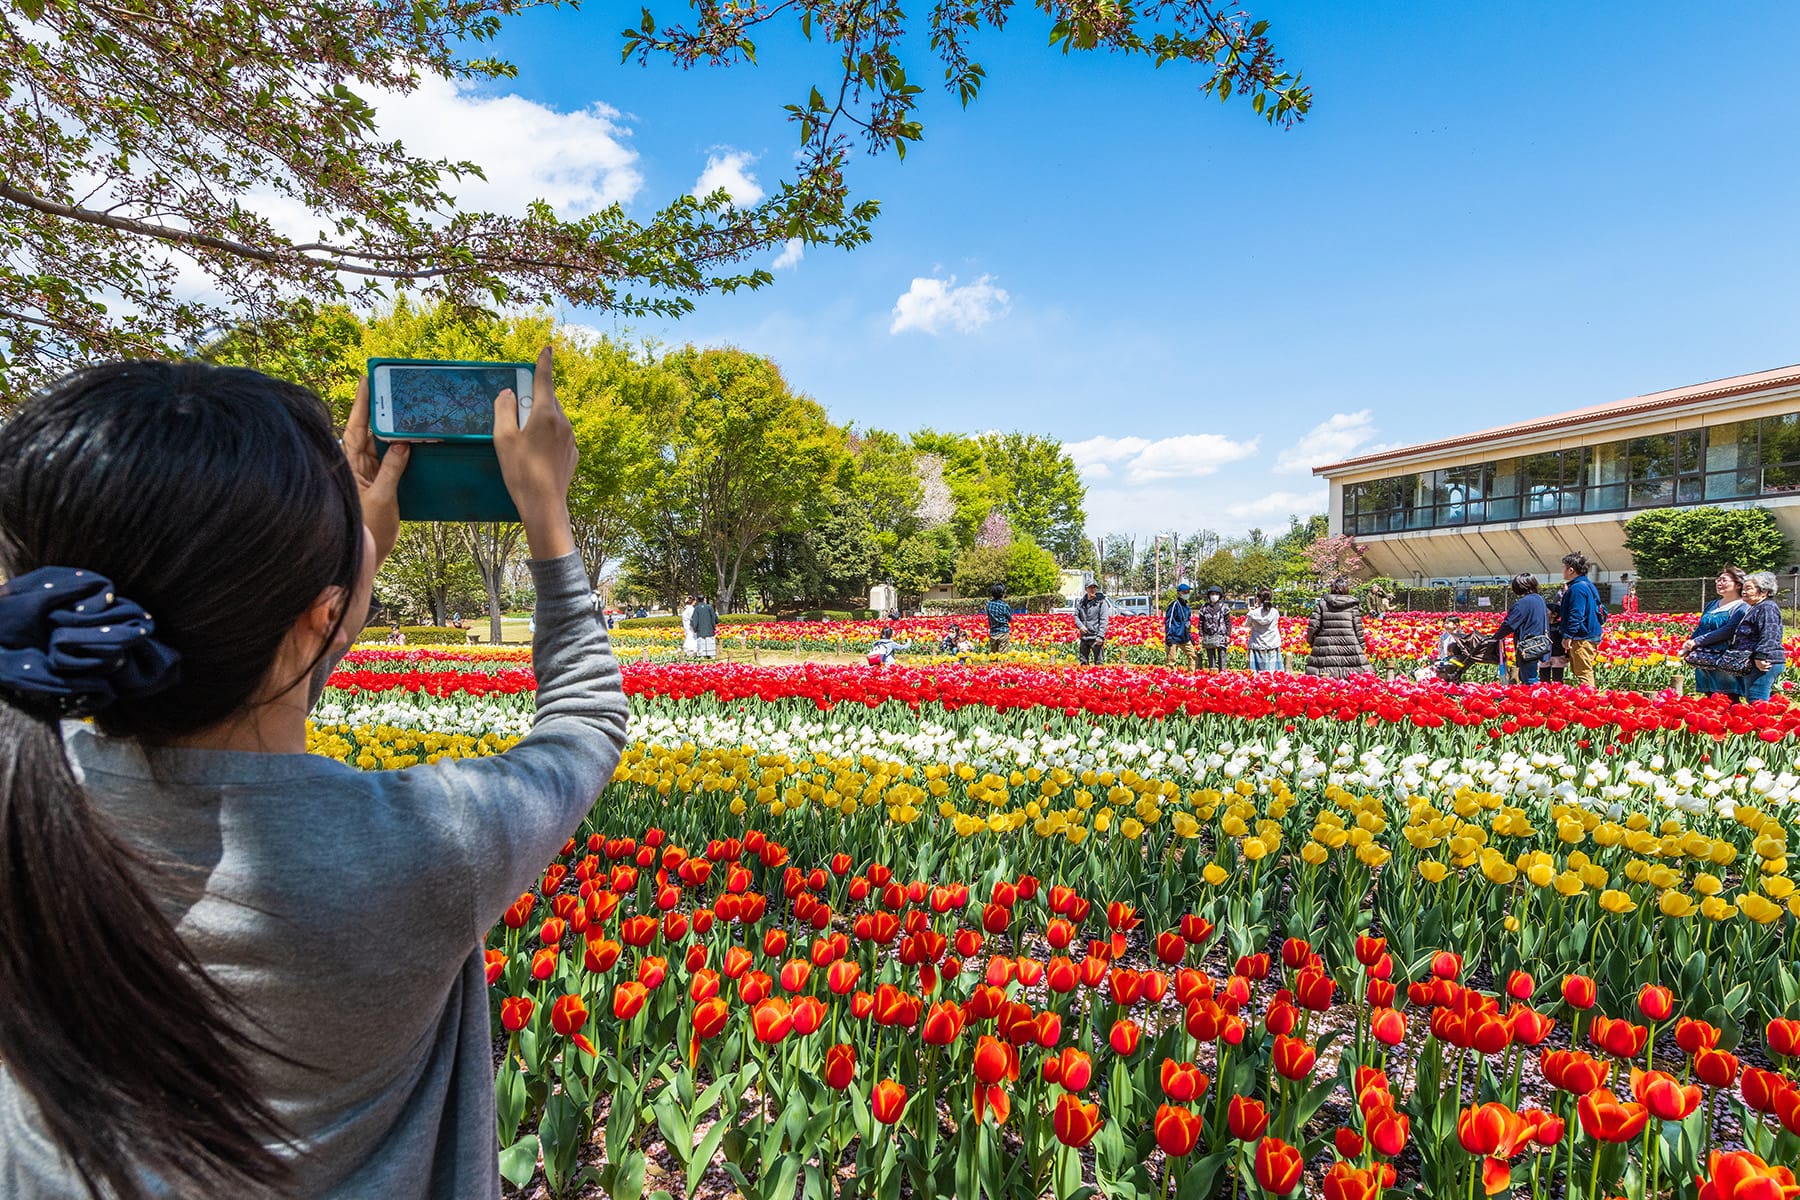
(1733,461)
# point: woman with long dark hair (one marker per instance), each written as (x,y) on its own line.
(228,967)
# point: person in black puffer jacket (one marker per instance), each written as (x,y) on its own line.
(1335,634)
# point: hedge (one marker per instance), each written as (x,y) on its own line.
(420,635)
(674,622)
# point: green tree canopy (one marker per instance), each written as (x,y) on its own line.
(143,140)
(1687,543)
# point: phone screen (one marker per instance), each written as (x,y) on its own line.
(446,400)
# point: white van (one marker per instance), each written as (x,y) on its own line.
(1131,606)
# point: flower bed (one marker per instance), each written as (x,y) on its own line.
(1012,931)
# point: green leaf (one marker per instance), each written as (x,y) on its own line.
(518,1162)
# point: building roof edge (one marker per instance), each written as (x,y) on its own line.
(1632,406)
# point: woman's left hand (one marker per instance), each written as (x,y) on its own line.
(377,477)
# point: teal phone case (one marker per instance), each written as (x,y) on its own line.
(457,479)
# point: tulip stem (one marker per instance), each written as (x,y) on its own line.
(1594,1174)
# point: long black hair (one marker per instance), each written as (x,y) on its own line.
(218,499)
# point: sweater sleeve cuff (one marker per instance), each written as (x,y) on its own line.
(561,583)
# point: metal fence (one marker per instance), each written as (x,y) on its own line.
(1658,596)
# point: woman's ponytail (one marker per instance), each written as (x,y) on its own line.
(218,500)
(106,1021)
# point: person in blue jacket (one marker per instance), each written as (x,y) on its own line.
(1582,618)
(1528,621)
(1178,629)
(1760,632)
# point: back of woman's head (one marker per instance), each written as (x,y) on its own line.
(216,500)
(1265,598)
(1340,587)
(1524,582)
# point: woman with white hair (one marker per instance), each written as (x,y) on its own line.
(1760,633)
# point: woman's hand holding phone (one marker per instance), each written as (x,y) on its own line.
(538,462)
(377,477)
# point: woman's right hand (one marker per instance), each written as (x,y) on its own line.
(538,462)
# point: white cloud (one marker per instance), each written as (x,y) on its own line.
(1184,456)
(931,305)
(728,169)
(1337,437)
(792,251)
(1280,504)
(579,162)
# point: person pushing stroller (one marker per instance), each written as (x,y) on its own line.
(1458,649)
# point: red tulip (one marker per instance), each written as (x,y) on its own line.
(1606,1119)
(1665,1097)
(809,1014)
(1246,1118)
(1761,1089)
(543,964)
(1579,992)
(1573,1071)
(1715,1068)
(1293,1058)
(1124,1037)
(1313,989)
(772,1019)
(1177,1131)
(568,1015)
(628,1000)
(1346,1182)
(1387,1129)
(1388,1026)
(1744,1176)
(1278,1166)
(1348,1142)
(1182,1082)
(1491,1130)
(1618,1037)
(840,1063)
(1694,1035)
(943,1024)
(1783,1036)
(601,954)
(1075,1123)
(1073,1069)
(1171,948)
(1370,949)
(1520,985)
(888,1101)
(1446,965)
(1655,1002)
(495,962)
(710,1017)
(1530,1027)
(995,1061)
(652,970)
(515,1012)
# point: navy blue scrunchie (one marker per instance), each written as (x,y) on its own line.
(68,644)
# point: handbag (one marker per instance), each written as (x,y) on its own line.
(1730,662)
(1533,648)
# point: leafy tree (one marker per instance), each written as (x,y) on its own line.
(1036,485)
(745,463)
(1685,543)
(430,571)
(923,560)
(1031,570)
(978,569)
(1290,548)
(141,140)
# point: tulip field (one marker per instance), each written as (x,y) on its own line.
(1016,930)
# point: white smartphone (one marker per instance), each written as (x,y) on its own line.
(418,400)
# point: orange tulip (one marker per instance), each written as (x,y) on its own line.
(1125,1036)
(1574,1071)
(943,1024)
(1075,1123)
(543,964)
(888,1101)
(1606,1119)
(1346,1182)
(1783,1036)
(1387,1129)
(1529,1026)
(809,1014)
(1491,1130)
(1716,1068)
(1618,1037)
(1177,1131)
(1073,1069)
(1278,1166)
(1694,1036)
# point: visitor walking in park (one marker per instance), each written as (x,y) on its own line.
(1527,620)
(1711,650)
(1090,626)
(689,646)
(705,622)
(1178,629)
(1265,633)
(222,1007)
(1215,629)
(1334,634)
(1583,617)
(999,620)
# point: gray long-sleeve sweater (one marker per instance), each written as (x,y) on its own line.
(346,910)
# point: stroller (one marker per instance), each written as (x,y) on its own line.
(1465,649)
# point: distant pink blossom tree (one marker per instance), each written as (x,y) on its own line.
(1332,557)
(995,532)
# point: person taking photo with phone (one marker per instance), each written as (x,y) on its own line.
(229,967)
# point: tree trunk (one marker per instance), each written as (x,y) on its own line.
(492,545)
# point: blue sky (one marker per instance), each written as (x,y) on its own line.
(1493,212)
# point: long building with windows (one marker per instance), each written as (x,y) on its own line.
(1517,498)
